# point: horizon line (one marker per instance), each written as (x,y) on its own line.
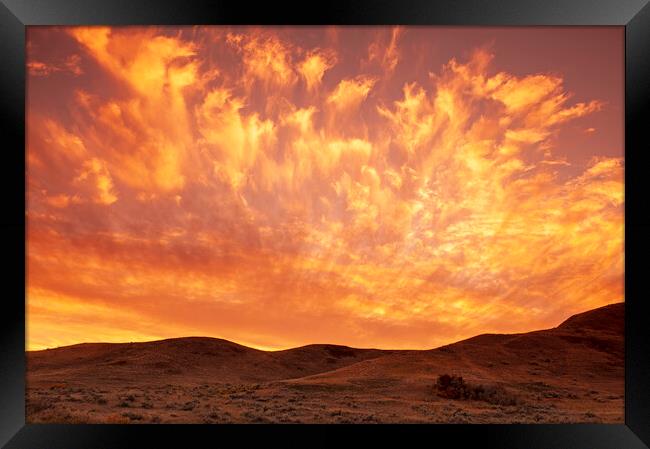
(268,349)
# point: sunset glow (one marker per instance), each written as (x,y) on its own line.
(367,186)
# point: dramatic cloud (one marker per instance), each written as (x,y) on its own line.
(386,55)
(314,66)
(70,64)
(280,187)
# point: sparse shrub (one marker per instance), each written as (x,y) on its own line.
(189,406)
(454,387)
(116,418)
(253,417)
(497,396)
(451,387)
(38,405)
(133,416)
(217,415)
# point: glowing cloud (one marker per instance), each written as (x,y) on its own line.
(349,93)
(314,66)
(286,186)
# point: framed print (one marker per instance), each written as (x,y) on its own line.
(368,220)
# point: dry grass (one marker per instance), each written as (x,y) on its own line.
(539,377)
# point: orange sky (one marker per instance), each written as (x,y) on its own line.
(367,186)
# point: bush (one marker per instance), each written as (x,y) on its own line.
(454,387)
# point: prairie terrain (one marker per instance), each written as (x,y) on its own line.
(573,373)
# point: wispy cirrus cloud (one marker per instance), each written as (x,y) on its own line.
(258,185)
(71,64)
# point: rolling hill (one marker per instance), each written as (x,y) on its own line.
(571,373)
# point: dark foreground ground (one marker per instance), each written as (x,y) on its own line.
(569,374)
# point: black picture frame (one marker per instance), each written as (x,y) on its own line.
(15,15)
